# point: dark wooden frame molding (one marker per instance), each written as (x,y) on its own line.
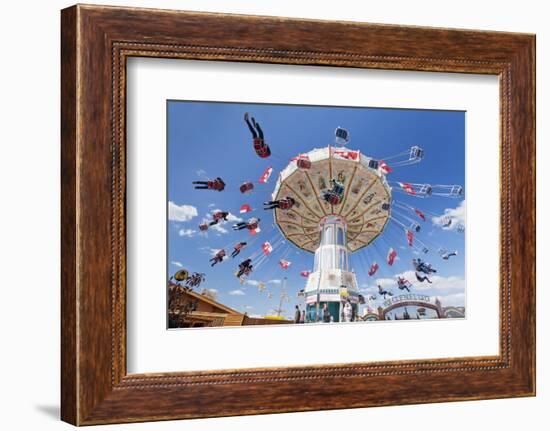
(95,43)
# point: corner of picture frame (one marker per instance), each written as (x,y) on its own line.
(96,41)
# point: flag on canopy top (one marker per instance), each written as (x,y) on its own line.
(305,273)
(265,176)
(345,154)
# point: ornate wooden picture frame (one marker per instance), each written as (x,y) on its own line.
(96,41)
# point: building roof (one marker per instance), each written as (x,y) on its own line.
(212,302)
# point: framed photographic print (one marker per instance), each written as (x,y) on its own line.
(279,206)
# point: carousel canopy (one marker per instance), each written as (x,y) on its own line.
(364,205)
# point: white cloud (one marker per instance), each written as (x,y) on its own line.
(211,205)
(237,292)
(209,250)
(456,216)
(200,172)
(219,229)
(445,283)
(453,299)
(181,212)
(439,283)
(211,293)
(450,290)
(248,307)
(176,263)
(368,289)
(252,282)
(187,232)
(275,281)
(233,218)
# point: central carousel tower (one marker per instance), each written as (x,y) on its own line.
(332,228)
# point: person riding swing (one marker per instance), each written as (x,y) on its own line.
(245,268)
(251,224)
(261,148)
(218,257)
(216,184)
(403,284)
(383,292)
(334,195)
(218,216)
(237,248)
(283,204)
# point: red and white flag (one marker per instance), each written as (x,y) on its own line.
(384,167)
(348,155)
(265,176)
(420,214)
(284,264)
(245,208)
(373,268)
(410,237)
(392,254)
(409,189)
(267,248)
(305,273)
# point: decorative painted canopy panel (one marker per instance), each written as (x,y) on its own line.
(362,206)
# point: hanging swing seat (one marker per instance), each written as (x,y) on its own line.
(415,227)
(246,187)
(416,153)
(303,162)
(373,164)
(341,136)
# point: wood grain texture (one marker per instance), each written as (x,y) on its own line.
(96,41)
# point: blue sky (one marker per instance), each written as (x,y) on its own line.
(206,140)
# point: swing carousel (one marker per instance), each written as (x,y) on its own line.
(332,228)
(333,201)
